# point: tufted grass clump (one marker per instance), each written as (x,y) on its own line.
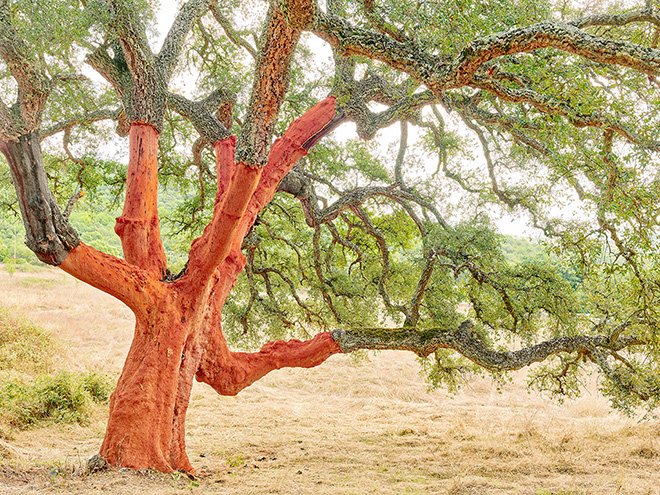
(64,397)
(24,347)
(31,393)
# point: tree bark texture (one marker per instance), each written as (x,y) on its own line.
(178,334)
(139,226)
(48,233)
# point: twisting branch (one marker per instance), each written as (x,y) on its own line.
(385,258)
(324,283)
(462,339)
(552,106)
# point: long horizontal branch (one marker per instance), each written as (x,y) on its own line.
(464,341)
(547,34)
(441,73)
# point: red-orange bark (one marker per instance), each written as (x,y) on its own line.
(178,332)
(139,226)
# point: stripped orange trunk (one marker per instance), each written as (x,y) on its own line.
(139,226)
(178,332)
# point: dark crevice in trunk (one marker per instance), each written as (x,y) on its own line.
(48,234)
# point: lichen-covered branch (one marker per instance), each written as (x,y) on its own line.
(271,81)
(644,15)
(168,56)
(440,73)
(34,86)
(463,340)
(201,113)
(48,234)
(552,106)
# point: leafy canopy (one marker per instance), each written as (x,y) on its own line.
(400,229)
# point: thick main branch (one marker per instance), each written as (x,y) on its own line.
(441,72)
(243,191)
(271,82)
(463,340)
(238,370)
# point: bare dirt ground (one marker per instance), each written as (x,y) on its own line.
(345,427)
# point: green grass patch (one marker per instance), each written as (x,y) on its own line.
(29,393)
(24,347)
(61,398)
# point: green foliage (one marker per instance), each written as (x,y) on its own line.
(563,141)
(29,394)
(24,347)
(448,370)
(61,398)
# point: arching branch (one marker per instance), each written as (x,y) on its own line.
(441,73)
(90,118)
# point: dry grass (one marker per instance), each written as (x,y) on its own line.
(341,428)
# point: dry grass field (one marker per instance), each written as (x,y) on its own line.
(345,427)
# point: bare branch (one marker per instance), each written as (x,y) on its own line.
(245,368)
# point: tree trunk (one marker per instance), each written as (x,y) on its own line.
(139,226)
(178,333)
(176,342)
(148,407)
